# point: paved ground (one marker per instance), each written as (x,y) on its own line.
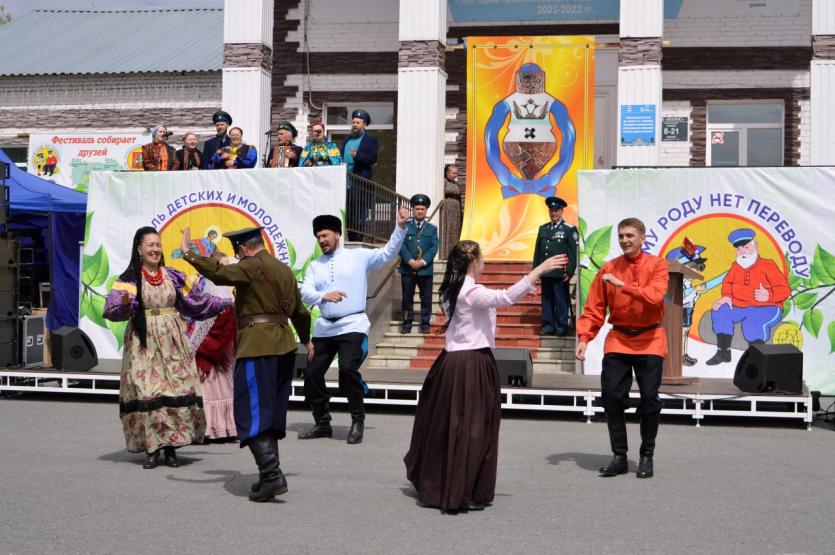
(67,486)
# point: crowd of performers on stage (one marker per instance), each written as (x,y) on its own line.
(217,361)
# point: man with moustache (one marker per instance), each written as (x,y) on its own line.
(753,293)
(359,152)
(337,282)
(632,288)
(285,154)
(222,121)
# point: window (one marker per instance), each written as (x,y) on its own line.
(17,154)
(338,121)
(745,133)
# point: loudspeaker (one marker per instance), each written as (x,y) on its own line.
(300,363)
(72,350)
(8,342)
(763,368)
(515,366)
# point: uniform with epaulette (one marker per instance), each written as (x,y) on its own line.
(420,245)
(267,300)
(556,237)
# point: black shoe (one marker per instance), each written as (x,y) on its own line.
(425,329)
(619,465)
(151,460)
(268,490)
(317,431)
(355,434)
(171,457)
(644,468)
(561,332)
(722,355)
(545,333)
(405,330)
(473,506)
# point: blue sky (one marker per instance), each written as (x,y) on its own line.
(18,8)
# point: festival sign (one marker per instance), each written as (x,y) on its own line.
(529,129)
(760,237)
(211,204)
(68,158)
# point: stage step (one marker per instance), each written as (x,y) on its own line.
(416,338)
(387,348)
(425,362)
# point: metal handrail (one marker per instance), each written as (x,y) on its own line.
(371,210)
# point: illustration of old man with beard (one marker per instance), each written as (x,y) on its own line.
(753,293)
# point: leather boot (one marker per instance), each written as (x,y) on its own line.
(171,459)
(322,428)
(723,352)
(619,465)
(151,460)
(272,481)
(649,430)
(355,434)
(644,467)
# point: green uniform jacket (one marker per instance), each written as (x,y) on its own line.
(561,240)
(427,244)
(253,295)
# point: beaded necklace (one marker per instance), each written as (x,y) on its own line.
(153,279)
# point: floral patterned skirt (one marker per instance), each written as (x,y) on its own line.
(160,399)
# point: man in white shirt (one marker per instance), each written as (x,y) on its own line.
(337,282)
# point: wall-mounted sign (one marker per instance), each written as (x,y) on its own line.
(717,138)
(674,128)
(637,125)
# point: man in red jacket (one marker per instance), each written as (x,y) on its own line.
(632,288)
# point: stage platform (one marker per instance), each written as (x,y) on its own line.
(549,392)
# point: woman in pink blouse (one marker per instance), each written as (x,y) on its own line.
(454,449)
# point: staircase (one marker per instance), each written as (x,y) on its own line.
(516,326)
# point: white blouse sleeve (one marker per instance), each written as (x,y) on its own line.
(481,296)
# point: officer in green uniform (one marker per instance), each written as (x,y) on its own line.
(267,299)
(416,257)
(555,237)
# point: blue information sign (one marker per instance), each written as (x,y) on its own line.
(637,124)
(544,10)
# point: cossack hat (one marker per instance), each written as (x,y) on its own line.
(363,115)
(242,235)
(555,202)
(287,126)
(327,221)
(221,116)
(741,237)
(420,200)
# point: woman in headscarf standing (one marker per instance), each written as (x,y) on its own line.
(188,157)
(451,213)
(454,449)
(160,401)
(158,155)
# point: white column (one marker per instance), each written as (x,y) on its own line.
(639,82)
(421,98)
(822,89)
(247,67)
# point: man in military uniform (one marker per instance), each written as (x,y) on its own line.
(555,237)
(267,299)
(416,257)
(222,121)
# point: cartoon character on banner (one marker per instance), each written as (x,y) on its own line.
(530,143)
(203,246)
(753,292)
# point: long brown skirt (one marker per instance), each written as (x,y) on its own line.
(454,449)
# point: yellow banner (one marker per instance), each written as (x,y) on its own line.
(530,104)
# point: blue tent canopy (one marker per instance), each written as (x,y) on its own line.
(59,213)
(29,193)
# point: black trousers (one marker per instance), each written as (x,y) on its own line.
(352,349)
(407,285)
(615,382)
(262,393)
(555,301)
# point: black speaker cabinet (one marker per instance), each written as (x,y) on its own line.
(31,340)
(300,364)
(9,351)
(72,350)
(515,366)
(770,368)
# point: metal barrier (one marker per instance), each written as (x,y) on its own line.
(371,210)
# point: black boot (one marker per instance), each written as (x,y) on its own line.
(649,430)
(619,465)
(151,460)
(272,481)
(171,457)
(644,467)
(723,353)
(355,434)
(322,428)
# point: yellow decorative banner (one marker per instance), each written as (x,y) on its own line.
(530,104)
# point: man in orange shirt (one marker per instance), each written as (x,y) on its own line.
(632,288)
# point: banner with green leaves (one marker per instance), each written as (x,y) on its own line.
(762,238)
(282,201)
